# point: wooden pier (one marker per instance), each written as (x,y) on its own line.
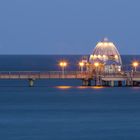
(129,78)
(44,75)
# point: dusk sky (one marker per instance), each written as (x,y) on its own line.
(68,26)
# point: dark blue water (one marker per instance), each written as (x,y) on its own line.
(63,110)
(49,62)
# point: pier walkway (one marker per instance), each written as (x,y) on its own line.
(44,75)
(130,78)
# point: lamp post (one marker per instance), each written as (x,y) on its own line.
(96,64)
(135,65)
(81,65)
(63,65)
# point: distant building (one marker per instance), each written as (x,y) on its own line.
(106,54)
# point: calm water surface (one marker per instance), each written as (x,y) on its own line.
(47,112)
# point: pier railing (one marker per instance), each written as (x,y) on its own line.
(44,74)
(65,75)
(131,78)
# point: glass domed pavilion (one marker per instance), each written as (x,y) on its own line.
(106,54)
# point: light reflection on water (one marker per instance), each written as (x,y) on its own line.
(63,87)
(80,87)
(98,87)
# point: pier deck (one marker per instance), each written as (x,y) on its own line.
(44,75)
(130,78)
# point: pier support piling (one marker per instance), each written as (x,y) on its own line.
(119,83)
(31,82)
(128,83)
(86,82)
(106,83)
(112,83)
(136,83)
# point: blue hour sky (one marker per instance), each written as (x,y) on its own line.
(68,26)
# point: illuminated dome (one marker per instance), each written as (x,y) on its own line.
(105,51)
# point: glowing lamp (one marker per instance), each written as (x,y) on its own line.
(96,64)
(105,44)
(63,64)
(116,56)
(100,44)
(99,56)
(81,64)
(91,57)
(135,65)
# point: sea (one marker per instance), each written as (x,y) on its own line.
(63,109)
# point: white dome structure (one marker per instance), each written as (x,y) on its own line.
(106,53)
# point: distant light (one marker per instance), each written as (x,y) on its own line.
(96,64)
(105,44)
(116,56)
(81,64)
(135,64)
(91,57)
(63,64)
(100,44)
(119,70)
(110,44)
(99,56)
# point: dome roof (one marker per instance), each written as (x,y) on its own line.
(106,50)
